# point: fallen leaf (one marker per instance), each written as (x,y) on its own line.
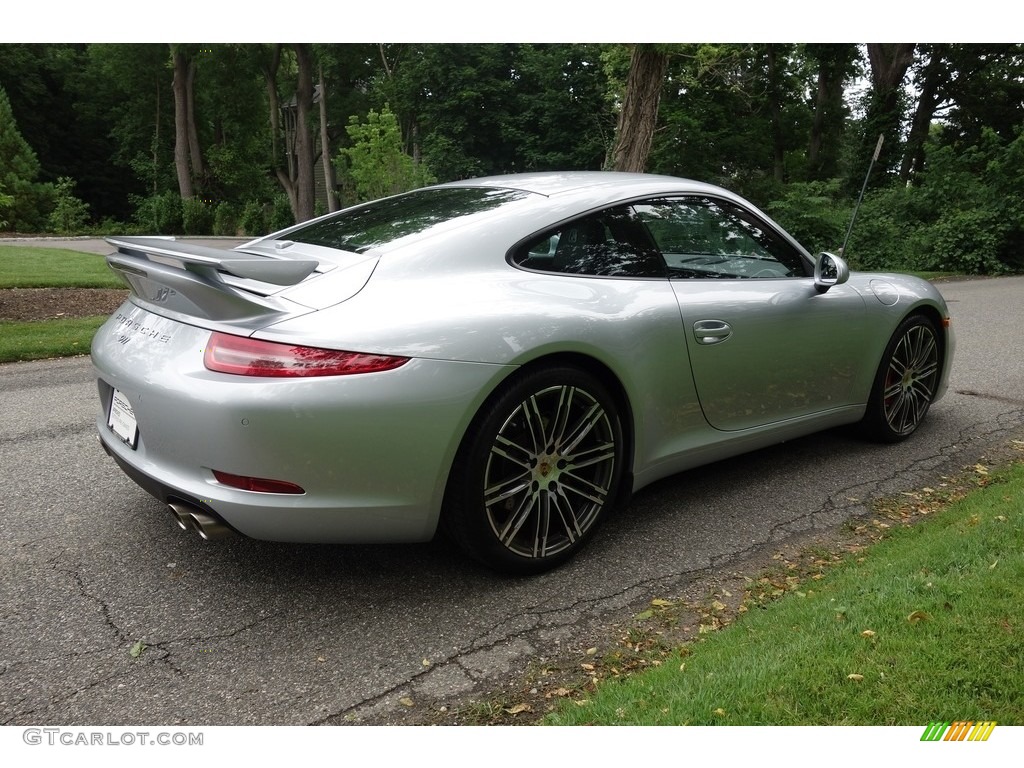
(868,633)
(137,649)
(405,701)
(720,712)
(917,616)
(591,651)
(682,667)
(992,567)
(718,606)
(558,692)
(644,615)
(519,708)
(425,662)
(659,603)
(588,667)
(855,677)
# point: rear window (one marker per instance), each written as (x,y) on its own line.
(385,221)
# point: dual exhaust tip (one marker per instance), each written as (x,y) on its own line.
(190,518)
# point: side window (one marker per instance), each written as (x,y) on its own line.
(707,238)
(611,243)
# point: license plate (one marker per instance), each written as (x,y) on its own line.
(122,419)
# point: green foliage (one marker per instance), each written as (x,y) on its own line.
(160,214)
(375,164)
(260,218)
(280,214)
(225,219)
(19,168)
(966,215)
(253,221)
(6,201)
(814,213)
(196,217)
(69,215)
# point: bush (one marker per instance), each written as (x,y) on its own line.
(254,220)
(69,215)
(813,213)
(160,214)
(196,217)
(281,215)
(225,219)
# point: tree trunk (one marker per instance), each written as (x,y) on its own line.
(934,75)
(285,176)
(889,65)
(639,114)
(330,181)
(304,156)
(834,64)
(775,111)
(181,159)
(194,149)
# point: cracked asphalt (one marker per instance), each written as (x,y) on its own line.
(245,632)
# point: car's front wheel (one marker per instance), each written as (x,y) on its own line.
(538,472)
(906,381)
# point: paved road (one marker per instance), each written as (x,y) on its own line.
(244,632)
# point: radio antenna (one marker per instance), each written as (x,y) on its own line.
(874,157)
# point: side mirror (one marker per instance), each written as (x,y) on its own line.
(829,270)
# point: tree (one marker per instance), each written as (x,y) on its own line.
(19,168)
(639,113)
(889,64)
(835,64)
(69,214)
(185,143)
(375,164)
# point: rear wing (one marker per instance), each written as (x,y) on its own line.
(187,281)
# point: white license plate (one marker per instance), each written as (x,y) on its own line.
(122,419)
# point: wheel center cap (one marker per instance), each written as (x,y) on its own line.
(544,468)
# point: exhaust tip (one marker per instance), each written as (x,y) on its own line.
(206,525)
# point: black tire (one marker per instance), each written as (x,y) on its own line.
(538,471)
(906,381)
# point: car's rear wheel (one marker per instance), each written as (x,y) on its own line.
(906,381)
(539,471)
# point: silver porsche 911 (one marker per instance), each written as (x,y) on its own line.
(504,358)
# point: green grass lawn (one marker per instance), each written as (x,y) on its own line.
(30,267)
(47,338)
(925,626)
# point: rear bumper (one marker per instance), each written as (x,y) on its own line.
(372,452)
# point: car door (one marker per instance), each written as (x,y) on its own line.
(764,344)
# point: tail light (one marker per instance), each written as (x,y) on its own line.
(253,357)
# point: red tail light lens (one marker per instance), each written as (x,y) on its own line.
(252,357)
(257,484)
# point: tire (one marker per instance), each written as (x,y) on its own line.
(906,381)
(537,473)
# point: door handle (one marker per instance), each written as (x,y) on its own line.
(711,331)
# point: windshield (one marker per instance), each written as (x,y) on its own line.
(384,221)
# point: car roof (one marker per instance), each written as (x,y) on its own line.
(560,182)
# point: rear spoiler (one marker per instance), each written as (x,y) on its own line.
(184,281)
(208,261)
